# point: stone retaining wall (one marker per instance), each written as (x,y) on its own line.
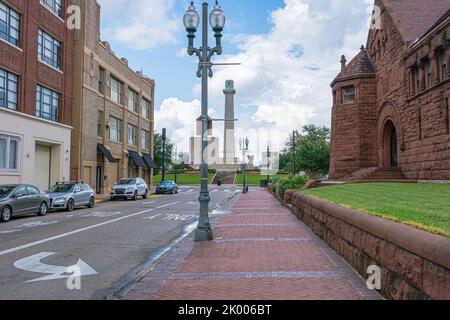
(414,264)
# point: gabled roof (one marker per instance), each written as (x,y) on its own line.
(360,67)
(414,18)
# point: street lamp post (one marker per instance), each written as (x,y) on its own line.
(244,147)
(204,53)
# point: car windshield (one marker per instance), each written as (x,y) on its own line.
(127,181)
(166,183)
(6,190)
(61,188)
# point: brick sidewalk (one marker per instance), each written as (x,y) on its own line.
(261,251)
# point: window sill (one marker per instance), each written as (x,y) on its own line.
(53,13)
(427,90)
(10,44)
(51,67)
(10,173)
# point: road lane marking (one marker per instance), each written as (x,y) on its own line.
(10,231)
(37,224)
(167,205)
(178,217)
(189,191)
(101,214)
(35,243)
(148,202)
(34,264)
(214,191)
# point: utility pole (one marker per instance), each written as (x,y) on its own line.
(268,164)
(163,171)
(293,154)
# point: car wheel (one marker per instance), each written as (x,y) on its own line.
(146,194)
(43,208)
(135,196)
(70,205)
(91,203)
(6,214)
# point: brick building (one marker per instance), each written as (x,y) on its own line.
(390,116)
(113,114)
(36,59)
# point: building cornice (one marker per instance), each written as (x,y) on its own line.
(34,118)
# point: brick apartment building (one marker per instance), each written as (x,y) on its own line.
(36,61)
(113,114)
(390,116)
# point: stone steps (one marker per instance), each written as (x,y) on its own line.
(386,174)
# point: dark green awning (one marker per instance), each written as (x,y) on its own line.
(137,159)
(149,161)
(106,153)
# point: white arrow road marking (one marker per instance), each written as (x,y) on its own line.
(10,231)
(32,244)
(34,264)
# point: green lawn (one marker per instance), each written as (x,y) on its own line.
(424,206)
(254,179)
(183,179)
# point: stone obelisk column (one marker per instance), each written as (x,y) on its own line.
(229,135)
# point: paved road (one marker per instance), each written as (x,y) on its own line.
(113,240)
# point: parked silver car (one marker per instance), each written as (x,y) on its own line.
(71,195)
(22,199)
(129,189)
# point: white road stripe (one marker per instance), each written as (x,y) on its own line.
(32,244)
(10,231)
(166,205)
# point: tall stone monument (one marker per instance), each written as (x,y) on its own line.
(229,156)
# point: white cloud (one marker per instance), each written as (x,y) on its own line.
(140,24)
(179,118)
(284,79)
(286,73)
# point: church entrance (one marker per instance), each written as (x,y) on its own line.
(390,146)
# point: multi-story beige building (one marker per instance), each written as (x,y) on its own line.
(113,113)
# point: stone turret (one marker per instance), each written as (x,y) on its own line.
(354,117)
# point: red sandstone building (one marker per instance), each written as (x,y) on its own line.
(390,117)
(36,61)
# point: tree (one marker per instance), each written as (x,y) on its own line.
(312,151)
(158,152)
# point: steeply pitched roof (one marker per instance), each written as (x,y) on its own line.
(360,67)
(414,18)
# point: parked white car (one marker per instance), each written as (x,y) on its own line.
(129,189)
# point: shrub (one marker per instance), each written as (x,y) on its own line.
(281,185)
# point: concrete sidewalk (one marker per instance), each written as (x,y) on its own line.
(260,252)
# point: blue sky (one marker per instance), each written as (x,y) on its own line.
(289,50)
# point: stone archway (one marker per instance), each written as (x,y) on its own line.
(389,146)
(390,136)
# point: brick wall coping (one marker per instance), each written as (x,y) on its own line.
(432,247)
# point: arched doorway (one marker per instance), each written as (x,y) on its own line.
(390,146)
